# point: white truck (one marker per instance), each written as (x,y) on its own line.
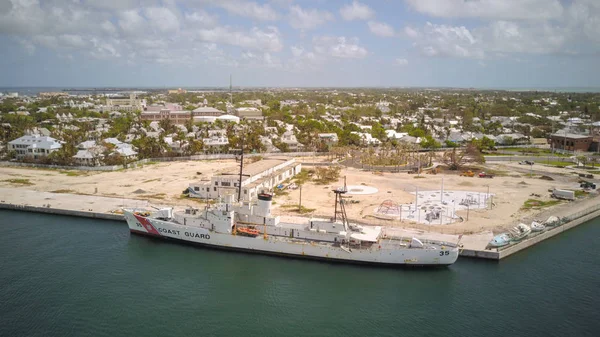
(563,194)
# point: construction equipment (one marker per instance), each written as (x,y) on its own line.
(587,185)
(468,173)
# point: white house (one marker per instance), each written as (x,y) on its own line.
(33,146)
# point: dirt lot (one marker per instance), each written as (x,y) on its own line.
(163,183)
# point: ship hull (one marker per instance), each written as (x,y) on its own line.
(271,245)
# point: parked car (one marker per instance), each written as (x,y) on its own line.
(526,162)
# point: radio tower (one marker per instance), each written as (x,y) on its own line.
(230,91)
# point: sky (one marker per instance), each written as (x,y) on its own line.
(300,43)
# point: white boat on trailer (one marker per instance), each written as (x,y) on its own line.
(244,226)
(519,232)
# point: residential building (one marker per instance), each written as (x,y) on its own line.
(33,146)
(366,138)
(257,177)
(289,138)
(330,139)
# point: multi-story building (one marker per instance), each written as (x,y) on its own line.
(178,117)
(249,113)
(126,103)
(33,146)
(257,177)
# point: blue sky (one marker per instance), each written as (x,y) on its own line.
(186,43)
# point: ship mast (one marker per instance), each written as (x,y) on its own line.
(339,200)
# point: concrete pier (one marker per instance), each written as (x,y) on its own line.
(49,210)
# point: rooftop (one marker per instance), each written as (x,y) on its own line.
(570,135)
(257,167)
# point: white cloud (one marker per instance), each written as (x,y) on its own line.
(132,23)
(261,60)
(268,40)
(162,19)
(401,62)
(510,37)
(202,18)
(340,47)
(381,29)
(248,9)
(356,11)
(411,32)
(444,40)
(307,19)
(490,9)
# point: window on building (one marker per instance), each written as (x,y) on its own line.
(216,183)
(225,183)
(215,189)
(196,188)
(245,191)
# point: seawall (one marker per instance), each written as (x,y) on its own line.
(59,211)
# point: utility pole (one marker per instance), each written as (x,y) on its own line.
(241,167)
(300,202)
(442,192)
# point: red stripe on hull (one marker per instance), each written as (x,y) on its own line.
(147,225)
(135,231)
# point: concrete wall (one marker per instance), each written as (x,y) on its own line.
(47,210)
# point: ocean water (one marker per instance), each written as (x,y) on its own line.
(65,276)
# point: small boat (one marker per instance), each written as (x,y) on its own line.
(248,231)
(552,221)
(500,240)
(537,226)
(519,232)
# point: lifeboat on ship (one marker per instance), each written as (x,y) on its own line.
(248,231)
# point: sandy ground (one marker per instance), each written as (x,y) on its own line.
(163,183)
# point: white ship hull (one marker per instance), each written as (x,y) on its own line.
(385,252)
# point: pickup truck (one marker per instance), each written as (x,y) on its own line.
(485,175)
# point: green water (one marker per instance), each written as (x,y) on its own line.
(63,276)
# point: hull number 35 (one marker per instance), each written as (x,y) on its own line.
(444,252)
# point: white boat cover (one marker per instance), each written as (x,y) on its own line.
(367,237)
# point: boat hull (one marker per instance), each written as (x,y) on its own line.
(273,245)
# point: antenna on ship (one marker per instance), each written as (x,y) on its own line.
(339,200)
